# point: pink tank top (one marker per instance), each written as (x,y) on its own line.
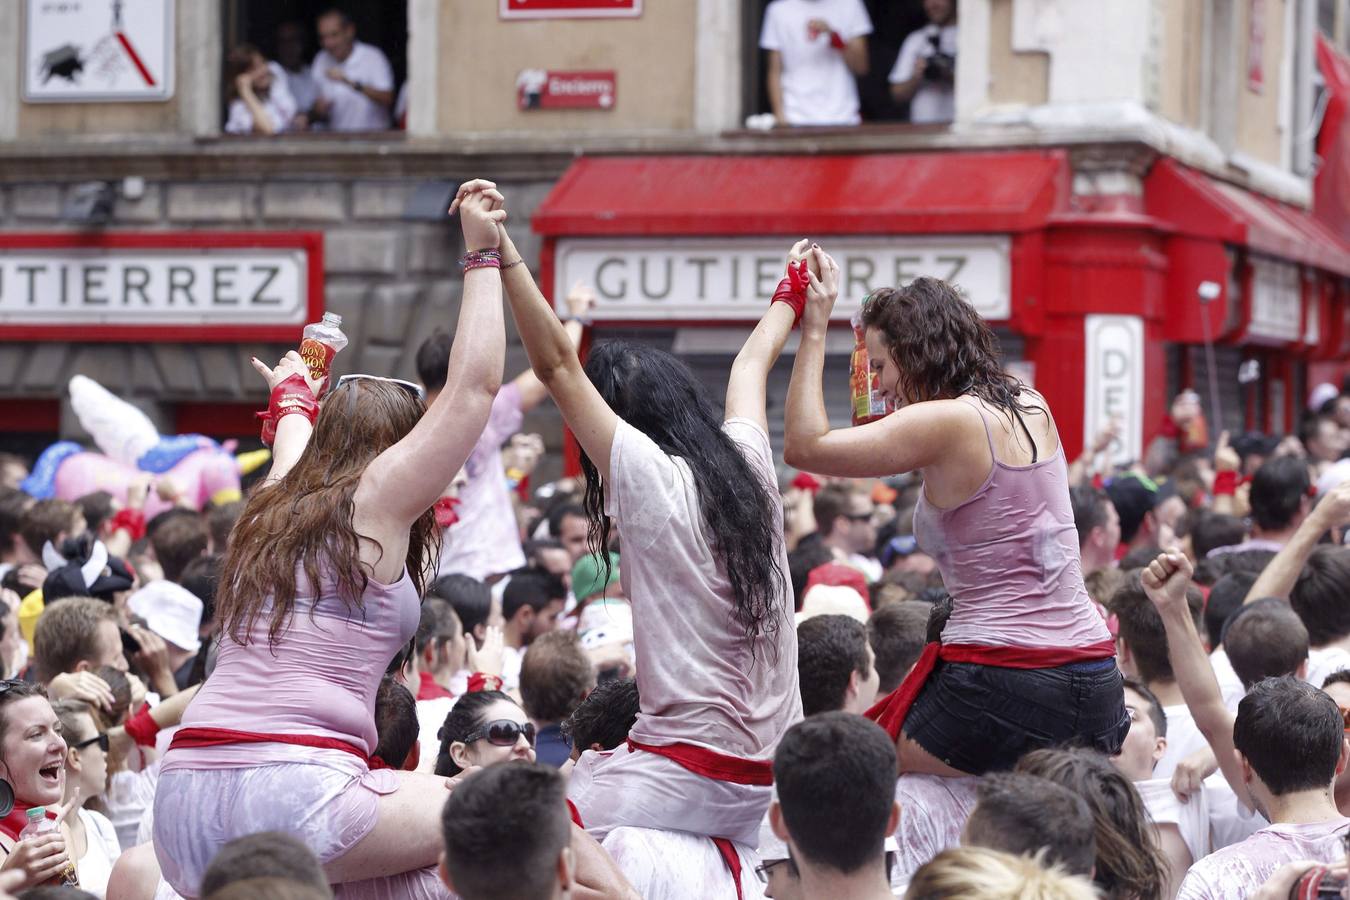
(1009,558)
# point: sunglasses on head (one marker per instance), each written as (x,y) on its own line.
(415,389)
(503,733)
(101,739)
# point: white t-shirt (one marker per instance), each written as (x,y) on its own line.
(818,88)
(674,865)
(304,89)
(1191,818)
(933,811)
(933,101)
(101,851)
(1230,685)
(280,106)
(430,717)
(1239,871)
(352,110)
(1183,738)
(1325,661)
(695,673)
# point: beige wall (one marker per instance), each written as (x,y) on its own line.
(481,55)
(1258,131)
(1181,62)
(1022,78)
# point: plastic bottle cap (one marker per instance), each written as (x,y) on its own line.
(37,812)
(332,318)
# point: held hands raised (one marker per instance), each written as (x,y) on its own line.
(821,292)
(479,205)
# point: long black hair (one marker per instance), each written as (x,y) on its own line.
(465,716)
(658,395)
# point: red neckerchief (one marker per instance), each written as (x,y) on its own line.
(428,689)
(447,513)
(13,823)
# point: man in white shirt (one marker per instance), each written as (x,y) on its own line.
(356,83)
(925,70)
(291,55)
(816,49)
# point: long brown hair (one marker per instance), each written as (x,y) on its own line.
(305,519)
(237,62)
(1130,865)
(941,346)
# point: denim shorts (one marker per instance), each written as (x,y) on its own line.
(981,719)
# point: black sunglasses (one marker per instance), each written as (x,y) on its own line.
(502,733)
(101,739)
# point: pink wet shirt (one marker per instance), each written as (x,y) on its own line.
(1009,558)
(319,678)
(1239,871)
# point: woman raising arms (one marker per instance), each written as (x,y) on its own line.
(1025,661)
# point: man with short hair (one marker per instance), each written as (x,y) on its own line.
(1098,526)
(835,665)
(438,649)
(568,523)
(507,835)
(604,718)
(531,603)
(220,522)
(1026,815)
(1134,500)
(1324,440)
(1266,639)
(844,521)
(1280,500)
(267,854)
(396,726)
(835,777)
(897,633)
(49,521)
(77,634)
(14,550)
(551,556)
(355,80)
(555,677)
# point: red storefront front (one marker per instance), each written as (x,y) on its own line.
(1095,296)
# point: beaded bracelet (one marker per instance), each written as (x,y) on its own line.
(481,259)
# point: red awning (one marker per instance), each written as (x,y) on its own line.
(1331,188)
(893,193)
(1200,206)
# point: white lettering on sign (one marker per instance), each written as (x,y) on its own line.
(1277,303)
(731,279)
(155,287)
(1114,359)
(98,50)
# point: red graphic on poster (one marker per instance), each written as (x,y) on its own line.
(540,89)
(1256,45)
(567,9)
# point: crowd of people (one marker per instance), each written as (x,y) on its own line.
(934,658)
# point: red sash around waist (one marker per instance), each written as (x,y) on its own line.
(711,764)
(219,737)
(889,712)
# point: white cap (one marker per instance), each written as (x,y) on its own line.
(1320,395)
(833,600)
(170,611)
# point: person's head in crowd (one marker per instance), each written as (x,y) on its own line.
(220,519)
(1209,571)
(808,557)
(1102,584)
(604,718)
(32,751)
(87,749)
(97,507)
(1290,738)
(1146,741)
(531,603)
(940,12)
(472,601)
(1266,639)
(593,577)
(1323,438)
(1319,595)
(81,567)
(119,682)
(549,555)
(440,642)
(13,470)
(1028,815)
(337,35)
(833,600)
(14,649)
(76,635)
(1141,641)
(1129,863)
(1253,449)
(1134,501)
(432,362)
(396,725)
(835,665)
(201,578)
(568,524)
(269,889)
(1279,496)
(484,728)
(1140,556)
(835,776)
(508,835)
(897,634)
(13,548)
(247,60)
(1226,597)
(555,677)
(844,518)
(173,613)
(977,873)
(141,557)
(267,854)
(50,520)
(178,542)
(1211,530)
(291,46)
(1098,526)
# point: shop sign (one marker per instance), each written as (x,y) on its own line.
(569,9)
(1114,363)
(98,50)
(202,286)
(731,279)
(540,89)
(1277,301)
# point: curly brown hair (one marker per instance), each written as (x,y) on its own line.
(941,346)
(306,518)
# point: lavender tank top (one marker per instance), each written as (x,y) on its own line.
(1009,558)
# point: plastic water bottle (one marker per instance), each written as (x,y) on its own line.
(322,341)
(39,824)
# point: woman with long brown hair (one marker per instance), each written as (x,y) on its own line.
(1024,660)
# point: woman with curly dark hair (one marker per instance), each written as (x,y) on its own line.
(693,495)
(1024,661)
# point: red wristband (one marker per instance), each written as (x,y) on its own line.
(836,41)
(446,512)
(133,520)
(291,396)
(1225,484)
(481,681)
(792,290)
(142,727)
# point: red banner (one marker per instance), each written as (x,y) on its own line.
(568,9)
(539,89)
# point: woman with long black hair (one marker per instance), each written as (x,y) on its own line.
(693,496)
(1024,660)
